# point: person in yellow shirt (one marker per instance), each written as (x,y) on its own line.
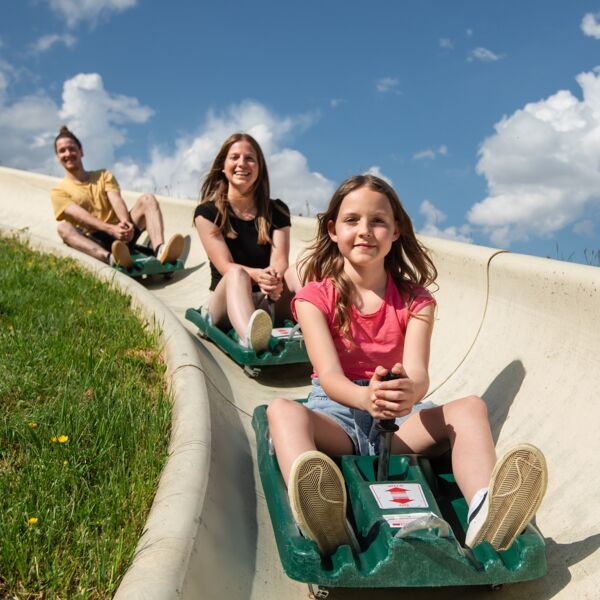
(93,217)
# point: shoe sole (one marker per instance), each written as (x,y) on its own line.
(261,328)
(121,254)
(517,486)
(173,249)
(317,496)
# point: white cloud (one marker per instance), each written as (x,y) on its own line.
(434,217)
(446,43)
(179,172)
(469,32)
(376,170)
(335,102)
(44,43)
(483,55)
(542,166)
(590,25)
(75,11)
(387,84)
(29,124)
(431,153)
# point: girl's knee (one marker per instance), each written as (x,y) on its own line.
(281,409)
(473,406)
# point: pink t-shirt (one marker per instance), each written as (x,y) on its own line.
(378,337)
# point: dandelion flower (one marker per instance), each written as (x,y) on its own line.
(54,439)
(65,462)
(32,424)
(62,439)
(32,520)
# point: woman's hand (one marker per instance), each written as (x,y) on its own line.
(390,398)
(270,283)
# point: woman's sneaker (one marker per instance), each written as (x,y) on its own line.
(258,331)
(317,496)
(121,255)
(516,489)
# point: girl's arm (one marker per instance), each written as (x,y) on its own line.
(413,383)
(324,358)
(216,249)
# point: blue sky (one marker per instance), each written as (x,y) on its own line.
(484,115)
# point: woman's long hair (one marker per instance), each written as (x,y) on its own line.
(215,187)
(407,262)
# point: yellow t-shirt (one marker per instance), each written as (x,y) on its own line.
(90,195)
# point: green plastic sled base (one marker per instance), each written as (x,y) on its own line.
(281,351)
(144,266)
(421,559)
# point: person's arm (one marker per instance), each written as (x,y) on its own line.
(280,251)
(83,217)
(126,226)
(397,396)
(324,358)
(119,206)
(270,280)
(216,249)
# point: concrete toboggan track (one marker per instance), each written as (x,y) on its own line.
(522,332)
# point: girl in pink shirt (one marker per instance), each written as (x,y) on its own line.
(365,314)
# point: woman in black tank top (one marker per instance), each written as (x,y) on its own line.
(246,236)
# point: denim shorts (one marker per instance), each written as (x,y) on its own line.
(358,424)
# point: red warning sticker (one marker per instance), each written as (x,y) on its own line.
(396,495)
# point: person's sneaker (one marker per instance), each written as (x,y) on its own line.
(258,331)
(121,255)
(171,251)
(317,496)
(516,489)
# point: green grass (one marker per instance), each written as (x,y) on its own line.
(74,361)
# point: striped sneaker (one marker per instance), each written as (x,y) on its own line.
(516,489)
(317,496)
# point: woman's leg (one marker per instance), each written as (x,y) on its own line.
(231,304)
(461,425)
(296,429)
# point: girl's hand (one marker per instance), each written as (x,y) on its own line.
(390,398)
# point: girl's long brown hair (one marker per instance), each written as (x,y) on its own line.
(215,186)
(407,262)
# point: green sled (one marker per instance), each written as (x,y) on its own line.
(281,351)
(427,555)
(146,264)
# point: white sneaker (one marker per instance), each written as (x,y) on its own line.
(317,496)
(171,251)
(516,489)
(258,331)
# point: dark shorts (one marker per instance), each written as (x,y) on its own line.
(105,240)
(358,424)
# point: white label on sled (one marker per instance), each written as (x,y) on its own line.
(399,521)
(399,495)
(281,332)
